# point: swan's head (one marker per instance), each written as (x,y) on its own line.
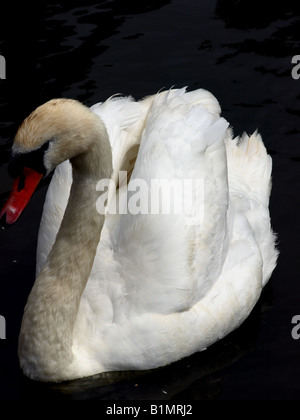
(56,131)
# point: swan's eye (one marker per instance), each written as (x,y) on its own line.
(33,160)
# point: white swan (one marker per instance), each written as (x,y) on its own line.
(154,288)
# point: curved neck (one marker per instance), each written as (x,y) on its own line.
(53,303)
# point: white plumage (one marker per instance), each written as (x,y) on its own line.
(165,286)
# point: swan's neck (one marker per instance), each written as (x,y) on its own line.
(47,328)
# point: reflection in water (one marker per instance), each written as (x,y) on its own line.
(280,40)
(83,26)
(260,44)
(54,49)
(246,14)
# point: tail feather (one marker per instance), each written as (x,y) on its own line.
(249,167)
(249,178)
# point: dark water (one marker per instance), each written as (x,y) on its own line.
(243,55)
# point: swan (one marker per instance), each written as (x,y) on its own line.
(135,290)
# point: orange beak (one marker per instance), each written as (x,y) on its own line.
(22,191)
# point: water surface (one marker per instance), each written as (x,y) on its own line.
(95,49)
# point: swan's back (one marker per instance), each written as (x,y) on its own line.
(166,285)
(166,257)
